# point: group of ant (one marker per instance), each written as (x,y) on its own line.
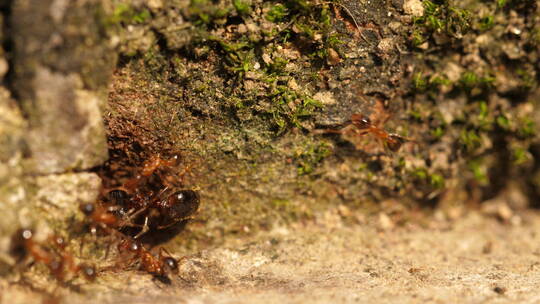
(152,201)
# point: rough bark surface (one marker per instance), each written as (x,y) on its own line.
(251,94)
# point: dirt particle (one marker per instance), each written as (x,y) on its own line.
(385,222)
(499,290)
(487,248)
(413,7)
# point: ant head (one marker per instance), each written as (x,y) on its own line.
(129,245)
(170,264)
(18,243)
(87,208)
(175,159)
(26,233)
(58,241)
(134,247)
(89,272)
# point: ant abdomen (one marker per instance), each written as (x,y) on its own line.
(19,240)
(183,203)
(118,197)
(394,142)
(361,122)
(120,200)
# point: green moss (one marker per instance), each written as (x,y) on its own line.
(470,139)
(484,120)
(437,181)
(207,14)
(486,23)
(243,7)
(520,156)
(289,107)
(310,156)
(470,80)
(277,13)
(419,82)
(526,127)
(526,78)
(127,14)
(479,171)
(424,83)
(277,67)
(503,122)
(417,37)
(434,180)
(286,106)
(420,173)
(438,132)
(442,18)
(535,35)
(416,114)
(333,40)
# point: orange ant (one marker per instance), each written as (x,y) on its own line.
(151,166)
(58,261)
(100,217)
(364,126)
(160,266)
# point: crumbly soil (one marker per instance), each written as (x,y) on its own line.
(471,260)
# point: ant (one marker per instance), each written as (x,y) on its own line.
(160,267)
(58,261)
(99,216)
(100,219)
(363,126)
(154,166)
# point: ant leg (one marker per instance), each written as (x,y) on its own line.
(145,228)
(162,249)
(108,248)
(83,241)
(112,236)
(332,131)
(329,131)
(129,220)
(93,231)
